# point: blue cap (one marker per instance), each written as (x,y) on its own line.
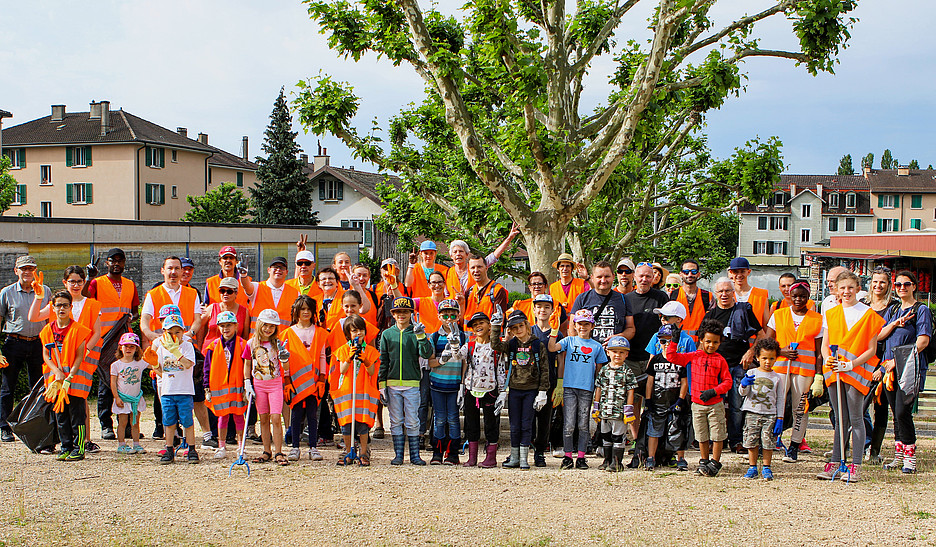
(543,298)
(427,246)
(172,321)
(739,263)
(169,309)
(618,342)
(187,262)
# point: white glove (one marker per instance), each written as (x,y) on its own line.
(446,356)
(419,330)
(843,365)
(499,403)
(461,397)
(540,401)
(249,390)
(383,396)
(497,318)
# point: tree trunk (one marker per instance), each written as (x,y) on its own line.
(544,238)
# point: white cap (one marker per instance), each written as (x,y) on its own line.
(672,309)
(268,316)
(305,255)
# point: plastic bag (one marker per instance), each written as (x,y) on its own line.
(907,371)
(33,421)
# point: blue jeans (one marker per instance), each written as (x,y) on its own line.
(520,409)
(733,411)
(576,406)
(445,413)
(403,406)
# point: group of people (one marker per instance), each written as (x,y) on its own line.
(655,360)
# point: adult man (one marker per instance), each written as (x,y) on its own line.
(695,300)
(417,275)
(304,281)
(459,280)
(612,314)
(742,326)
(227,259)
(625,275)
(642,301)
(832,299)
(786,281)
(273,294)
(486,294)
(738,271)
(568,287)
(362,273)
(119,298)
(188,270)
(22,348)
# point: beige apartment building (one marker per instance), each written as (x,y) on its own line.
(111,164)
(903,199)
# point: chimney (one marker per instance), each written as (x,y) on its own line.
(304,158)
(58,112)
(866,171)
(203,138)
(792,189)
(321,159)
(182,131)
(819,189)
(245,155)
(903,171)
(95,111)
(105,117)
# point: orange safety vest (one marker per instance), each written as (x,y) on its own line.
(453,283)
(576,288)
(81,381)
(263,300)
(365,387)
(851,344)
(89,314)
(805,337)
(304,366)
(525,306)
(476,302)
(428,314)
(336,339)
(335,309)
(214,297)
(782,303)
(758,300)
(227,384)
(420,287)
(371,314)
(312,290)
(694,316)
(160,297)
(113,305)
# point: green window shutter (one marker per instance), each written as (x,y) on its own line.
(22,193)
(880,201)
(915,223)
(88,196)
(340,192)
(149,156)
(22,157)
(240,180)
(87,151)
(368,233)
(896,225)
(162,194)
(345,223)
(162,157)
(149,199)
(69,193)
(880,225)
(897,200)
(916,201)
(321,190)
(68,156)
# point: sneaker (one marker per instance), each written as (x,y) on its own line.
(768,474)
(74,456)
(294,454)
(91,448)
(539,459)
(804,448)
(703,468)
(62,455)
(7,436)
(138,449)
(682,465)
(162,452)
(168,456)
(580,463)
(315,455)
(210,442)
(47,450)
(220,454)
(191,455)
(752,472)
(108,434)
(256,439)
(122,449)
(558,453)
(566,463)
(650,464)
(827,472)
(713,468)
(158,433)
(791,454)
(852,475)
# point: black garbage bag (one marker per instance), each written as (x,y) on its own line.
(33,421)
(677,431)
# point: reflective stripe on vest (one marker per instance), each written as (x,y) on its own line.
(365,390)
(805,336)
(304,365)
(81,380)
(263,300)
(113,306)
(226,384)
(852,343)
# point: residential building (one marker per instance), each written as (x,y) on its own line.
(106,164)
(905,199)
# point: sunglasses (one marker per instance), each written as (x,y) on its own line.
(692,271)
(61,305)
(898,285)
(626,271)
(226,291)
(672,285)
(644,264)
(303,263)
(537,284)
(449,316)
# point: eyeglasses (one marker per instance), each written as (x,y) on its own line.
(907,284)
(303,263)
(61,305)
(437,282)
(672,285)
(692,271)
(226,291)
(538,284)
(626,271)
(75,281)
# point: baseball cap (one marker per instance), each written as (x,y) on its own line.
(389,262)
(169,309)
(627,262)
(173,321)
(187,262)
(583,316)
(402,303)
(564,257)
(618,342)
(228,283)
(116,251)
(227,317)
(129,339)
(449,304)
(268,316)
(739,263)
(227,250)
(305,255)
(516,317)
(478,316)
(427,246)
(671,309)
(25,260)
(278,260)
(543,298)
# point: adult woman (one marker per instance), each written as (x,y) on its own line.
(853,329)
(538,285)
(227,291)
(659,275)
(879,298)
(907,322)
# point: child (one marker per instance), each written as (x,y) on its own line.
(126,375)
(445,381)
(305,373)
(263,364)
(709,382)
(527,381)
(484,379)
(358,364)
(64,343)
(173,357)
(224,379)
(548,418)
(583,356)
(762,389)
(401,346)
(614,404)
(667,384)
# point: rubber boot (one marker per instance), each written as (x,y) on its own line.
(608,456)
(414,451)
(454,445)
(524,457)
(472,454)
(513,461)
(898,456)
(491,459)
(437,451)
(617,460)
(399,444)
(909,461)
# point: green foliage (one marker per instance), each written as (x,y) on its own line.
(372,263)
(887,160)
(224,204)
(845,165)
(914,164)
(7,184)
(822,27)
(284,192)
(867,161)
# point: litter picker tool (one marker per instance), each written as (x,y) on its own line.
(352,455)
(786,389)
(839,414)
(240,448)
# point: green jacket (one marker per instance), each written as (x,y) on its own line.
(399,357)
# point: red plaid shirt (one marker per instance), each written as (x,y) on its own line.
(708,371)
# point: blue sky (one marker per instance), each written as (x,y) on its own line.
(216,66)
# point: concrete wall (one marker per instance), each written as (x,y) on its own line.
(58,243)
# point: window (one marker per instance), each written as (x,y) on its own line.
(78,193)
(331,190)
(851,200)
(888,225)
(45,209)
(17,157)
(888,201)
(779,199)
(916,223)
(78,156)
(155,194)
(366,227)
(805,235)
(778,223)
(833,224)
(175,156)
(850,224)
(45,175)
(155,157)
(806,210)
(175,192)
(760,247)
(916,201)
(761,223)
(240,180)
(833,200)
(776,247)
(763,203)
(19,195)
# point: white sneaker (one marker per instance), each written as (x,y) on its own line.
(314,455)
(220,454)
(294,454)
(558,453)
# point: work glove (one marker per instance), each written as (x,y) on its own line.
(249,389)
(748,380)
(242,268)
(62,398)
(683,405)
(446,356)
(383,396)
(419,330)
(540,401)
(283,353)
(497,318)
(707,395)
(171,345)
(3,362)
(91,270)
(817,386)
(554,321)
(843,365)
(37,285)
(52,390)
(151,357)
(778,427)
(596,411)
(629,414)
(499,403)
(557,394)
(461,398)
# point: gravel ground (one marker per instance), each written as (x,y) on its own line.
(112,499)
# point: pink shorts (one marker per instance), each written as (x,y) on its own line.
(269,396)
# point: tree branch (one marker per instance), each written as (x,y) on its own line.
(740,23)
(612,23)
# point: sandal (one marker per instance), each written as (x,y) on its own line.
(365,459)
(281,459)
(263,458)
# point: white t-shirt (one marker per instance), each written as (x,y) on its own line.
(77,306)
(175,380)
(129,382)
(174,296)
(276,293)
(852,315)
(743,297)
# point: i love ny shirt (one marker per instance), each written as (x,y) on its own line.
(581,357)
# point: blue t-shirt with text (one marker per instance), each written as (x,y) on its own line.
(581,356)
